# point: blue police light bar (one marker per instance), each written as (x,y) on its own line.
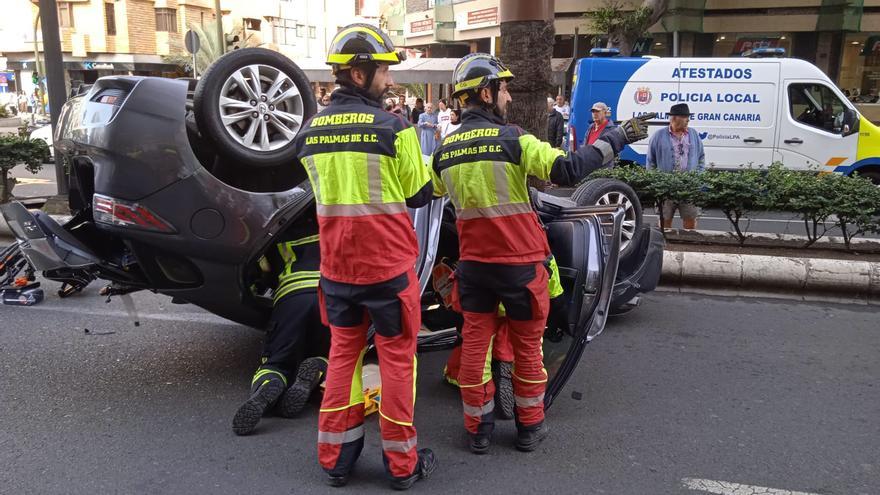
(604,52)
(764,52)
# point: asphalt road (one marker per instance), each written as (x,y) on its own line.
(685,391)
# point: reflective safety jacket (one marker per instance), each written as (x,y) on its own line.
(365,166)
(299,259)
(483,167)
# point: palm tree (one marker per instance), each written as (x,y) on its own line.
(526,48)
(210,48)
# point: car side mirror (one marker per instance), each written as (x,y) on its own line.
(850,122)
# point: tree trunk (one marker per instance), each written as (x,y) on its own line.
(526,49)
(6,185)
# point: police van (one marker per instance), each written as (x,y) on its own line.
(747,111)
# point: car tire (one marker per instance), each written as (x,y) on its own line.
(872,175)
(608,192)
(254,125)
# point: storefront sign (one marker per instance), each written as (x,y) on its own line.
(745,44)
(483,16)
(97,66)
(421,26)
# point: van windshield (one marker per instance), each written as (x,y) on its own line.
(816,105)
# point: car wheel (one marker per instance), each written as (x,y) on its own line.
(612,192)
(252,103)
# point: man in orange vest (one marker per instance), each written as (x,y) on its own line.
(483,167)
(366,168)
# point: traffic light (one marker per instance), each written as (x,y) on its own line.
(35,78)
(232,42)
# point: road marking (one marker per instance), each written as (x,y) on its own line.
(728,488)
(179,317)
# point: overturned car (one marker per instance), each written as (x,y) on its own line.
(182,186)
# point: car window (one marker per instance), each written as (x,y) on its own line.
(816,106)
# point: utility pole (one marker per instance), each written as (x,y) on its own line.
(37,68)
(54,77)
(220,38)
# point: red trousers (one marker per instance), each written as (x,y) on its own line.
(480,287)
(394,308)
(501,351)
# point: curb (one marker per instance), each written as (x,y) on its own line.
(759,239)
(758,275)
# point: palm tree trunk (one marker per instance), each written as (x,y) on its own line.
(526,48)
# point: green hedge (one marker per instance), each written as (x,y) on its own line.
(851,203)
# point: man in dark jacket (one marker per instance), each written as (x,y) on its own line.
(555,126)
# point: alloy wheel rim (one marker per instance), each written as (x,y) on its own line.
(261,108)
(628,227)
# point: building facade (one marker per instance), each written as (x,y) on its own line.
(842,37)
(145,37)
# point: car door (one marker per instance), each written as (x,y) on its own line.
(812,134)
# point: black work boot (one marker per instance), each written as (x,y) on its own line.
(426,465)
(502,374)
(264,393)
(529,437)
(337,481)
(310,374)
(482,439)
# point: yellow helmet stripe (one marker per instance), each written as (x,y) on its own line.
(360,29)
(345,58)
(339,58)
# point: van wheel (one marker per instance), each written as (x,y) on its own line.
(612,192)
(873,175)
(252,103)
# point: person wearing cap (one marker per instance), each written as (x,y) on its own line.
(677,148)
(600,124)
(366,169)
(504,254)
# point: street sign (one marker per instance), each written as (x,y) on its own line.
(191,40)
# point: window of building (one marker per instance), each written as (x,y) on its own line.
(252,24)
(313,32)
(358,6)
(202,19)
(166,20)
(431,4)
(817,106)
(110,18)
(65,14)
(284,31)
(301,30)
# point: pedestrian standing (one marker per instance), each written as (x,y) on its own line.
(417,110)
(454,123)
(404,108)
(428,127)
(563,108)
(600,124)
(444,115)
(503,248)
(677,148)
(555,126)
(366,168)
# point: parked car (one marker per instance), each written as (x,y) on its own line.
(184,198)
(45,133)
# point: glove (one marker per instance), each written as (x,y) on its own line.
(636,129)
